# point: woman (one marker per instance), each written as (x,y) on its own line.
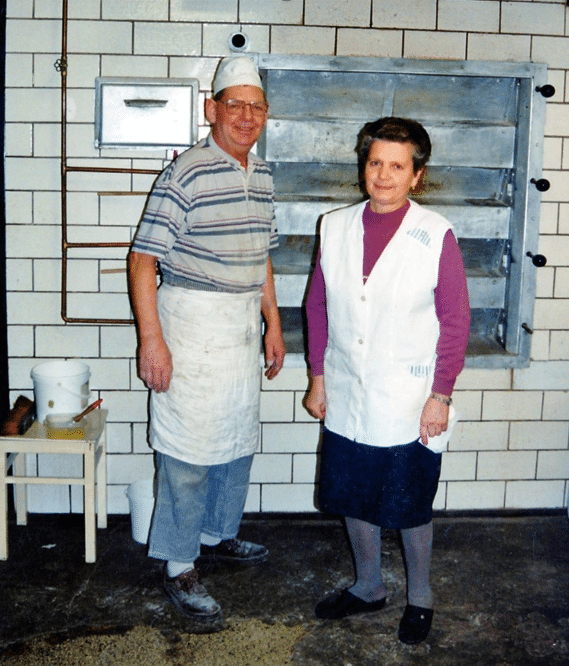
(388,320)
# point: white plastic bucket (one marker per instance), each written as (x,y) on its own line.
(60,387)
(141,501)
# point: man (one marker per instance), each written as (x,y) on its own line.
(209,224)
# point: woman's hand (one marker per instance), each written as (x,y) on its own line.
(434,419)
(315,400)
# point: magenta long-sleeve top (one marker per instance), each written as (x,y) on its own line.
(451,300)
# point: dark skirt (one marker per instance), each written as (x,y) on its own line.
(392,487)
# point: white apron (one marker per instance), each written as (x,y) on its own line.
(210,413)
(382,335)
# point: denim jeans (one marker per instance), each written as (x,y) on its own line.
(196,499)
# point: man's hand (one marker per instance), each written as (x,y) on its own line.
(274,352)
(274,343)
(155,364)
(155,360)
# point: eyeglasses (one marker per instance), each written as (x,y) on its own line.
(235,106)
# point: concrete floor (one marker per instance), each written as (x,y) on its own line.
(501,586)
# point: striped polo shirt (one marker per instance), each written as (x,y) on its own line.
(209,222)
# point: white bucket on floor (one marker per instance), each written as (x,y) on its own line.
(60,387)
(141,501)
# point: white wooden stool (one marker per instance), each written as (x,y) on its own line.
(87,438)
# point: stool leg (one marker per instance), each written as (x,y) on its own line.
(89,500)
(102,481)
(20,490)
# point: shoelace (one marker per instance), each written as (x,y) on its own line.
(187,580)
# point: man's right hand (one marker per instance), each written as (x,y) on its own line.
(155,364)
(154,358)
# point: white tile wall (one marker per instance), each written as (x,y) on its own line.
(47,276)
(374,43)
(540,346)
(458,466)
(556,405)
(551,50)
(19,70)
(480,436)
(302,40)
(260,11)
(20,203)
(511,449)
(287,497)
(469,15)
(124,469)
(204,10)
(476,495)
(19,8)
(528,494)
(429,45)
(33,36)
(505,48)
(290,437)
(272,468)
(561,283)
(564,218)
(100,37)
(136,10)
(119,438)
(550,375)
(532,18)
(81,341)
(85,8)
(43,172)
(336,12)
(539,435)
(21,340)
(405,14)
(304,467)
(552,156)
(180,39)
(552,464)
(505,465)
(559,348)
(512,406)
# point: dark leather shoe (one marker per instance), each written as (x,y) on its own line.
(415,624)
(345,603)
(191,597)
(234,550)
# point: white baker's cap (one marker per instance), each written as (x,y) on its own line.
(236,71)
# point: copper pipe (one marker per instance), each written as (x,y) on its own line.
(62,65)
(86,244)
(63,71)
(118,193)
(110,170)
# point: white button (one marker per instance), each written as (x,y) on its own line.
(360,341)
(363,298)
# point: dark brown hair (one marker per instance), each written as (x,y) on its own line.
(400,130)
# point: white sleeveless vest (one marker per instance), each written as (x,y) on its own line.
(382,335)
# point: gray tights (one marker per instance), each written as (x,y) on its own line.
(365,540)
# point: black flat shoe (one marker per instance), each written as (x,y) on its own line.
(345,603)
(415,624)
